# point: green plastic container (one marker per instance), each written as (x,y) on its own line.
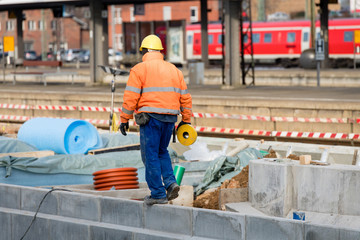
(179,173)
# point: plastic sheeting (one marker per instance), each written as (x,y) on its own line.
(63,136)
(225,167)
(70,163)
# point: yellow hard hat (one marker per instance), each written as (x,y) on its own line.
(151,42)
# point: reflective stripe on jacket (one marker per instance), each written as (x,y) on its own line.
(156,86)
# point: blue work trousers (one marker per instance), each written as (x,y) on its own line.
(154,141)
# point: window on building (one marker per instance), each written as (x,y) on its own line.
(166,13)
(256,37)
(348,36)
(290,37)
(119,41)
(41,25)
(194,14)
(306,37)
(132,16)
(118,19)
(267,38)
(210,39)
(53,25)
(31,25)
(10,25)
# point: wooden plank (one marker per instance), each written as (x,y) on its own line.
(37,154)
(130,147)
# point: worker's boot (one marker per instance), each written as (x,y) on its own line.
(148,200)
(173,191)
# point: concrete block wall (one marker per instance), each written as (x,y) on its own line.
(69,215)
(277,187)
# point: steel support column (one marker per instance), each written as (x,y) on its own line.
(232,50)
(204,33)
(19,32)
(324,22)
(98,40)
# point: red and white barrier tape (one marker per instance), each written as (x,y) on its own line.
(299,119)
(14,106)
(195,115)
(318,135)
(49,107)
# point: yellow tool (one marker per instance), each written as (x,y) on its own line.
(114,125)
(186,134)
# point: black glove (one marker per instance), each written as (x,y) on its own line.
(182,123)
(124,127)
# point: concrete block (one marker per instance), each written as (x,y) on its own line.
(5,226)
(218,224)
(305,159)
(63,230)
(121,212)
(185,198)
(273,228)
(31,198)
(78,205)
(316,232)
(350,194)
(232,195)
(317,188)
(156,236)
(168,218)
(38,230)
(270,187)
(10,196)
(101,232)
(349,234)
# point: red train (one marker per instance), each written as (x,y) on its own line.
(283,42)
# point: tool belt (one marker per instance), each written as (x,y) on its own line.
(142,119)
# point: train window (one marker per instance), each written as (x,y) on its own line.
(219,39)
(290,37)
(256,37)
(306,37)
(267,37)
(189,39)
(348,36)
(246,38)
(210,39)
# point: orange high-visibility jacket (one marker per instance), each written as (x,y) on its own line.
(156,86)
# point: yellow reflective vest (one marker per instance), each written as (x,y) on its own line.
(156,86)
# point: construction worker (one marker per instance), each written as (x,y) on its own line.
(157,91)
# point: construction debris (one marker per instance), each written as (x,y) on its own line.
(211,198)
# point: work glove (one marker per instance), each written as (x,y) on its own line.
(124,127)
(182,123)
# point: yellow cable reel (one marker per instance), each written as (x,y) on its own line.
(114,125)
(186,134)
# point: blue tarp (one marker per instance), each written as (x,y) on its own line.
(61,169)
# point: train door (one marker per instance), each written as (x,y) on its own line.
(305,39)
(189,44)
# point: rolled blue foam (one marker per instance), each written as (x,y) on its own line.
(63,136)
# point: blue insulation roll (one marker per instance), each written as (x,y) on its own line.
(63,136)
